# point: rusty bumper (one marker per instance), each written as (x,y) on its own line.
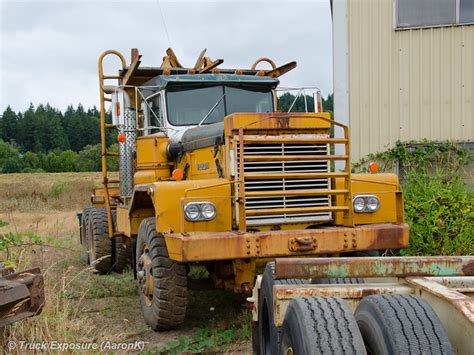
(206,246)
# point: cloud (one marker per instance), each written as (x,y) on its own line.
(49,50)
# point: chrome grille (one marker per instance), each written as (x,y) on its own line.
(285,184)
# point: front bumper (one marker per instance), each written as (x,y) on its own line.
(207,246)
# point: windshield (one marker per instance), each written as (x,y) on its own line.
(188,106)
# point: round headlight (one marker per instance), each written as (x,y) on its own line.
(358,204)
(373,204)
(208,211)
(192,212)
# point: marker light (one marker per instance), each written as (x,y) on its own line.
(177,174)
(374,167)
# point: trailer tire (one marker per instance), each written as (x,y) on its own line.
(268,334)
(320,325)
(338,280)
(83,230)
(401,324)
(163,285)
(98,241)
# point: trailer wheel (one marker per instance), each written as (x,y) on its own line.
(162,281)
(98,242)
(83,230)
(320,325)
(268,334)
(401,324)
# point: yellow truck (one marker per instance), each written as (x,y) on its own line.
(212,174)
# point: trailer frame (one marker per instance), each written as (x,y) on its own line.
(446,283)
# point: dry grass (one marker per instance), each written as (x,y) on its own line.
(45,205)
(46,192)
(82,306)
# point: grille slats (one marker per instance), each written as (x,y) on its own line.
(282,184)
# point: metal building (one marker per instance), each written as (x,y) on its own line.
(403,70)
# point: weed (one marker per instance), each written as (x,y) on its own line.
(439,205)
(3,223)
(89,285)
(439,209)
(212,339)
(57,189)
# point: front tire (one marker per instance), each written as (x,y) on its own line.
(162,281)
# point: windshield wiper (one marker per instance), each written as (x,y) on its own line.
(210,111)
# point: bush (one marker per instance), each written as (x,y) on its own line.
(439,209)
(439,205)
(10,160)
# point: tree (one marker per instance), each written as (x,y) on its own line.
(8,125)
(89,158)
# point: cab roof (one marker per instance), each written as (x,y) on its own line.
(165,81)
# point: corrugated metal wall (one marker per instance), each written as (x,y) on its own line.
(409,84)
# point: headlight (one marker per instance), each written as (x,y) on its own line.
(192,212)
(359,204)
(208,211)
(365,204)
(200,211)
(373,204)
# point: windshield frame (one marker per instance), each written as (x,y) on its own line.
(224,102)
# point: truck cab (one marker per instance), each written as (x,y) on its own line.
(211,174)
(179,102)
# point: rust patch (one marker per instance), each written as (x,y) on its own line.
(468,269)
(283,122)
(385,236)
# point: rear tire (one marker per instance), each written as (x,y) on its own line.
(320,325)
(401,324)
(83,231)
(98,241)
(122,254)
(268,334)
(162,281)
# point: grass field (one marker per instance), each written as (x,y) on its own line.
(39,212)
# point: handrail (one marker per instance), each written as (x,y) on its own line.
(103,127)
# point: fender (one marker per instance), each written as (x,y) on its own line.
(166,200)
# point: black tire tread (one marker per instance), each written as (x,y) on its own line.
(412,322)
(101,242)
(338,280)
(327,325)
(168,308)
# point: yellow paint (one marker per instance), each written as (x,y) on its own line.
(170,197)
(152,161)
(385,187)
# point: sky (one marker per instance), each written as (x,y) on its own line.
(49,49)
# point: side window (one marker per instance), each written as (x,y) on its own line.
(153,115)
(156,117)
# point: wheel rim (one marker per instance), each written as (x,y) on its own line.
(145,278)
